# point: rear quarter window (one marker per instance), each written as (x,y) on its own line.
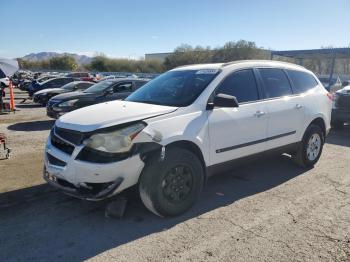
(302,81)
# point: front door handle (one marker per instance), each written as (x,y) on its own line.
(259,113)
(298,106)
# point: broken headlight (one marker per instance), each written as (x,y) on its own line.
(119,141)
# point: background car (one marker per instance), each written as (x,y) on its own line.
(83,76)
(333,85)
(107,90)
(341,106)
(43,96)
(51,83)
(4,81)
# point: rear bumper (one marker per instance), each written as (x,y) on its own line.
(341,115)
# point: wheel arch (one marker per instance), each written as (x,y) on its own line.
(194,148)
(319,121)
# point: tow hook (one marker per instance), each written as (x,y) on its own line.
(162,154)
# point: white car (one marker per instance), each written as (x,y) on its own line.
(174,132)
(4,82)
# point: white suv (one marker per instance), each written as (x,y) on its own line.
(185,125)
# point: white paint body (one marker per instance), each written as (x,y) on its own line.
(210,130)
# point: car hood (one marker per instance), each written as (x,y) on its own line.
(50,90)
(108,114)
(74,95)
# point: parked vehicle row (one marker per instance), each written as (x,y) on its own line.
(43,96)
(103,91)
(56,82)
(175,131)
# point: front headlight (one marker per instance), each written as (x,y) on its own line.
(119,141)
(68,103)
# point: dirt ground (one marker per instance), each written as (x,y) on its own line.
(267,211)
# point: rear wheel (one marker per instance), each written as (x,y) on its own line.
(310,148)
(171,186)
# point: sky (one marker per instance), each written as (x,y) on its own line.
(131,28)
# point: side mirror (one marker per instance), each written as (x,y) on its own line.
(222,100)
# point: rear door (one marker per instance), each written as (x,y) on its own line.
(285,109)
(238,132)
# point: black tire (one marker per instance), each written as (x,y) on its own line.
(337,124)
(161,189)
(302,157)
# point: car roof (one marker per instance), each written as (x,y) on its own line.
(79,82)
(51,79)
(127,79)
(243,63)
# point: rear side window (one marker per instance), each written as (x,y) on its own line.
(240,84)
(275,82)
(302,81)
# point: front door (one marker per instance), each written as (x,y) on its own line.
(238,132)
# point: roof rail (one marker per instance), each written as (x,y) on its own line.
(269,61)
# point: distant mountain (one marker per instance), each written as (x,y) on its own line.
(81,59)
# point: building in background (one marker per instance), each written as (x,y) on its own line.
(157,56)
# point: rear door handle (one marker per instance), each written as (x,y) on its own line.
(298,106)
(259,113)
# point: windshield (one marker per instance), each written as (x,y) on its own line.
(69,86)
(174,88)
(99,87)
(43,79)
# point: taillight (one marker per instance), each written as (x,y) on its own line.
(330,96)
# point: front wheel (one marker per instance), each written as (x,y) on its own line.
(310,149)
(171,186)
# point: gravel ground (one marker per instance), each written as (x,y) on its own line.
(269,211)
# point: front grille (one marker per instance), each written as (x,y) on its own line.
(55,161)
(61,144)
(75,137)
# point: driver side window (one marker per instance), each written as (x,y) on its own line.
(122,87)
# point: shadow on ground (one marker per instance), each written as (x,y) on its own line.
(40,223)
(32,126)
(339,136)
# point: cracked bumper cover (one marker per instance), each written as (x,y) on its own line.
(82,193)
(75,177)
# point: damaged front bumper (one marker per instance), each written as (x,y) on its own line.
(86,180)
(88,192)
